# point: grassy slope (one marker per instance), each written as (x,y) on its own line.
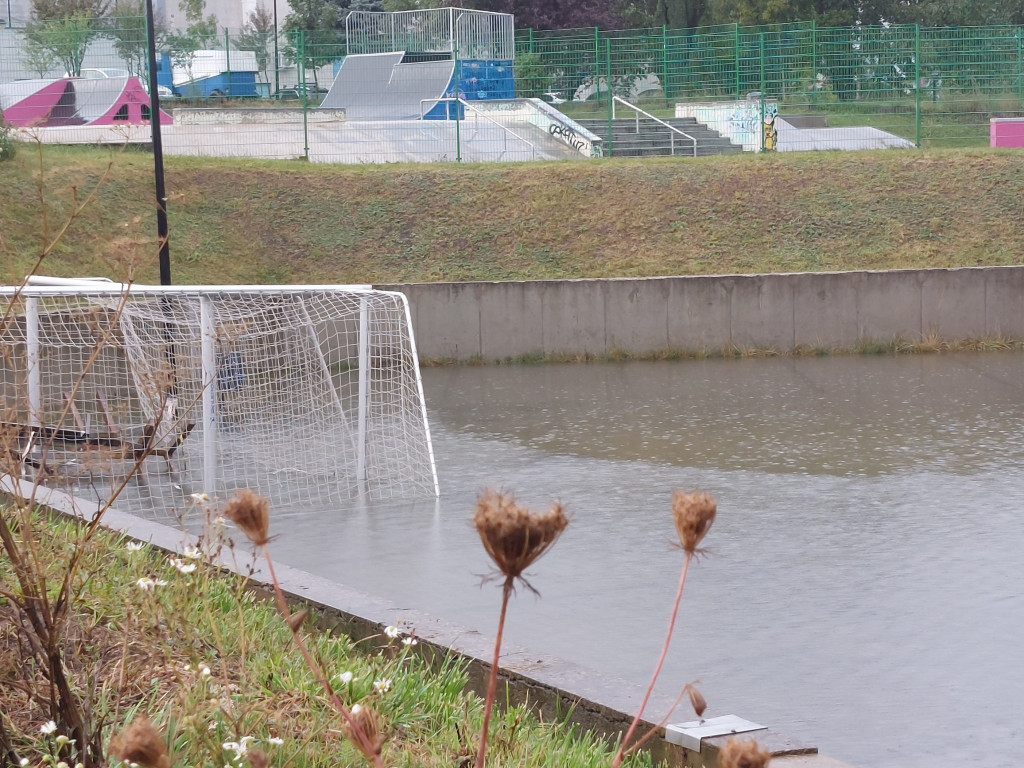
(247,221)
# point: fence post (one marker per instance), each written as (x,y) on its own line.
(761,85)
(664,62)
(458,106)
(1020,65)
(611,94)
(917,83)
(736,54)
(300,47)
(227,61)
(814,62)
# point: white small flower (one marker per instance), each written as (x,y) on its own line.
(188,667)
(357,708)
(199,498)
(382,686)
(204,671)
(62,764)
(211,727)
(48,728)
(345,677)
(391,632)
(182,566)
(24,761)
(275,741)
(410,640)
(62,740)
(134,546)
(193,553)
(147,584)
(79,765)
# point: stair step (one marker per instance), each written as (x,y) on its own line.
(656,139)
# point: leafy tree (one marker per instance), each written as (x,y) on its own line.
(64,28)
(37,58)
(555,14)
(682,14)
(322,24)
(200,33)
(127,28)
(258,36)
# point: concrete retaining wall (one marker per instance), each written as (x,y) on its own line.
(255,116)
(650,315)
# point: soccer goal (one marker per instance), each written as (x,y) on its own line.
(309,395)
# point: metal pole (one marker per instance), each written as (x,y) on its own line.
(664,62)
(158,152)
(917,83)
(208,354)
(458,106)
(611,95)
(736,55)
(761,86)
(277,59)
(301,47)
(227,60)
(363,395)
(35,388)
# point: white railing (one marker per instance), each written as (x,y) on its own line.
(477,114)
(672,129)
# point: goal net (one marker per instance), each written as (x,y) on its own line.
(309,396)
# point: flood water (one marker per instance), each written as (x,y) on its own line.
(862,589)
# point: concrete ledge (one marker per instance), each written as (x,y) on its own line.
(255,116)
(829,310)
(549,685)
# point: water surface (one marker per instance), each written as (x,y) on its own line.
(862,586)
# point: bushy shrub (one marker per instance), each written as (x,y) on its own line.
(7,141)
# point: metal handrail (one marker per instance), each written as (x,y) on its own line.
(672,128)
(477,112)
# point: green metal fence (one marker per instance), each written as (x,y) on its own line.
(841,87)
(930,86)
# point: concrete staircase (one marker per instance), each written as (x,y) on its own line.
(655,139)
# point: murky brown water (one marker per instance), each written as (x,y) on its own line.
(863,588)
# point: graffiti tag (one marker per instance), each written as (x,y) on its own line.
(568,135)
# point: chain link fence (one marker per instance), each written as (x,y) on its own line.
(440,85)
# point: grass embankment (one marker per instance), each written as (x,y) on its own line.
(248,221)
(215,668)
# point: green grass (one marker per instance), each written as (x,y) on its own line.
(276,221)
(210,662)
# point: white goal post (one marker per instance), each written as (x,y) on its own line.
(309,395)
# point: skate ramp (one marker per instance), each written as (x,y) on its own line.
(793,139)
(76,101)
(39,103)
(380,86)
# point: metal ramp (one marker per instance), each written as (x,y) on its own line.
(382,86)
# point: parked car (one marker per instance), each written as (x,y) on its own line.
(99,73)
(312,91)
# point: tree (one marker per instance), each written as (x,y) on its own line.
(64,29)
(199,34)
(127,28)
(555,14)
(321,24)
(681,14)
(258,36)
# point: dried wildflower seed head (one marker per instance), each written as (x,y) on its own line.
(514,536)
(697,700)
(141,743)
(257,758)
(741,753)
(694,513)
(365,720)
(250,512)
(296,619)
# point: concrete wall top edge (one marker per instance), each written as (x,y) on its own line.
(751,275)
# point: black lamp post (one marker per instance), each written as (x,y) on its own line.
(158,151)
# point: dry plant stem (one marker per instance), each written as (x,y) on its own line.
(492,684)
(657,669)
(282,605)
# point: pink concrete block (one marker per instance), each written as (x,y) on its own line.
(1006,132)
